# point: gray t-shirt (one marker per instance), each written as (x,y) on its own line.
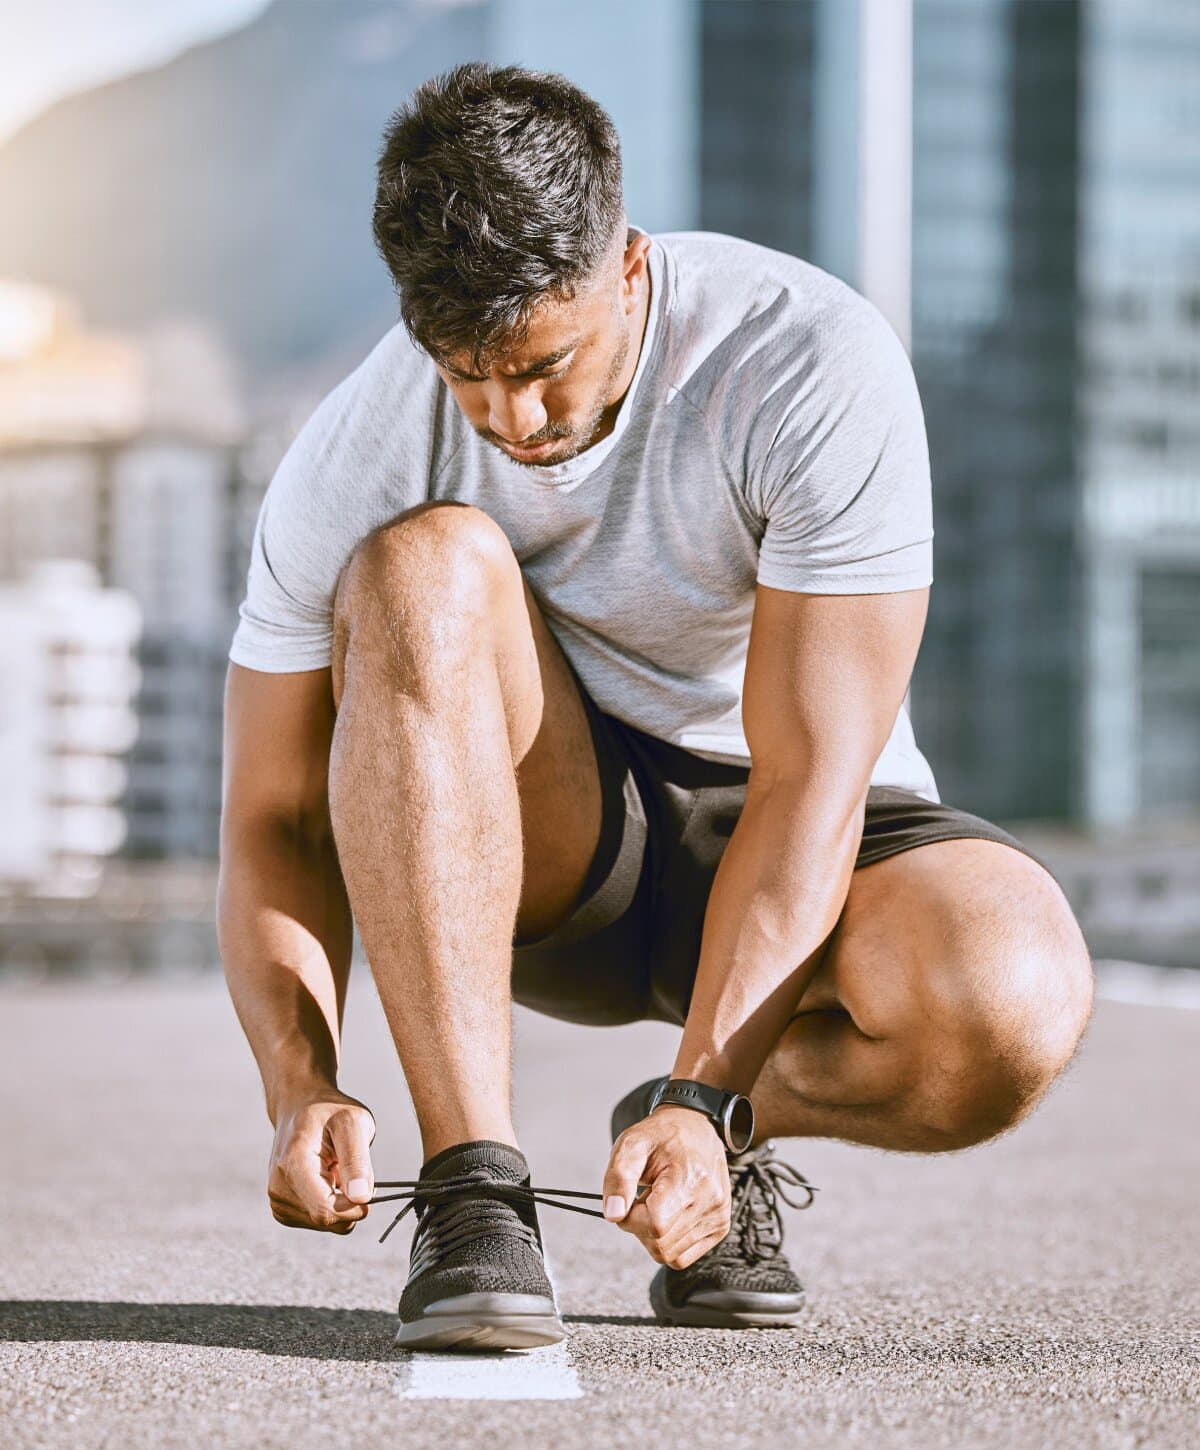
(772,432)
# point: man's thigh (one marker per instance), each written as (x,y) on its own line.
(420,555)
(927,877)
(966,921)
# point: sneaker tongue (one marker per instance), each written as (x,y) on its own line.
(500,1159)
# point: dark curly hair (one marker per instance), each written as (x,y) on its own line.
(498,187)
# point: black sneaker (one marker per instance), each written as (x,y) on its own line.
(476,1275)
(745,1281)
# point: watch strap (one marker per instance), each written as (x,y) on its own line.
(713,1102)
(681,1092)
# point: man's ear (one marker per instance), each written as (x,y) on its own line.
(633,264)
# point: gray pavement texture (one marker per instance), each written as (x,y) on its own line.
(1039,1291)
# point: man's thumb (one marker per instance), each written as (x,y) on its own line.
(350,1132)
(621,1180)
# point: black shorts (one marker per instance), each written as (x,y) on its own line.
(630,948)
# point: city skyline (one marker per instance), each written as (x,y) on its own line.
(1057,679)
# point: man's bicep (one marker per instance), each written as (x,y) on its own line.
(826,675)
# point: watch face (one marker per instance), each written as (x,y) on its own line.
(740,1123)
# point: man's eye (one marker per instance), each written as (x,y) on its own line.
(454,378)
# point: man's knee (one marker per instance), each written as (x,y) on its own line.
(424,581)
(439,551)
(994,1052)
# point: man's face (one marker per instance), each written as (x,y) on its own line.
(560,391)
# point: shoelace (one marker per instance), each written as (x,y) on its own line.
(472,1200)
(757,1181)
(455,1209)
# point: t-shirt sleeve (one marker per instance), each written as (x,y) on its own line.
(844,489)
(277,631)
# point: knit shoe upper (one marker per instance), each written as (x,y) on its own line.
(473,1239)
(746,1278)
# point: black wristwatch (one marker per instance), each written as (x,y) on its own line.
(732,1114)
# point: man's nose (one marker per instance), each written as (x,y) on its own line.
(515,414)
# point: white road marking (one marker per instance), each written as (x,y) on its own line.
(1147,986)
(503,1374)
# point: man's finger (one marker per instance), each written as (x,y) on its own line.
(637,1223)
(669,1204)
(621,1180)
(350,1132)
(308,1191)
(682,1260)
(708,1225)
(312,1196)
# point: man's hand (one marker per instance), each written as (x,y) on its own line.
(677,1152)
(320,1174)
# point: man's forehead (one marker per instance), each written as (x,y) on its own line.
(556,327)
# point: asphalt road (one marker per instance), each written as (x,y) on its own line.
(1041,1291)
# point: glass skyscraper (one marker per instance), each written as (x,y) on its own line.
(757,122)
(997,689)
(1056,341)
(1139,407)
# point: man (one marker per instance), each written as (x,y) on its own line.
(572,662)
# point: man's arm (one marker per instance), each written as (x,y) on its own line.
(825,679)
(285,932)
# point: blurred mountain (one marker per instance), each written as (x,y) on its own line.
(233,183)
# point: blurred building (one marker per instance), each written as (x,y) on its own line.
(1056,337)
(1055,333)
(998,690)
(66,724)
(759,143)
(1139,407)
(122,452)
(1054,324)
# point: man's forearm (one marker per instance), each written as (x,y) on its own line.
(285,932)
(777,894)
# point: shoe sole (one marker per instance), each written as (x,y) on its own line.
(484,1321)
(716,1309)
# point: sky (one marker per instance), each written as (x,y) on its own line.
(53,47)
